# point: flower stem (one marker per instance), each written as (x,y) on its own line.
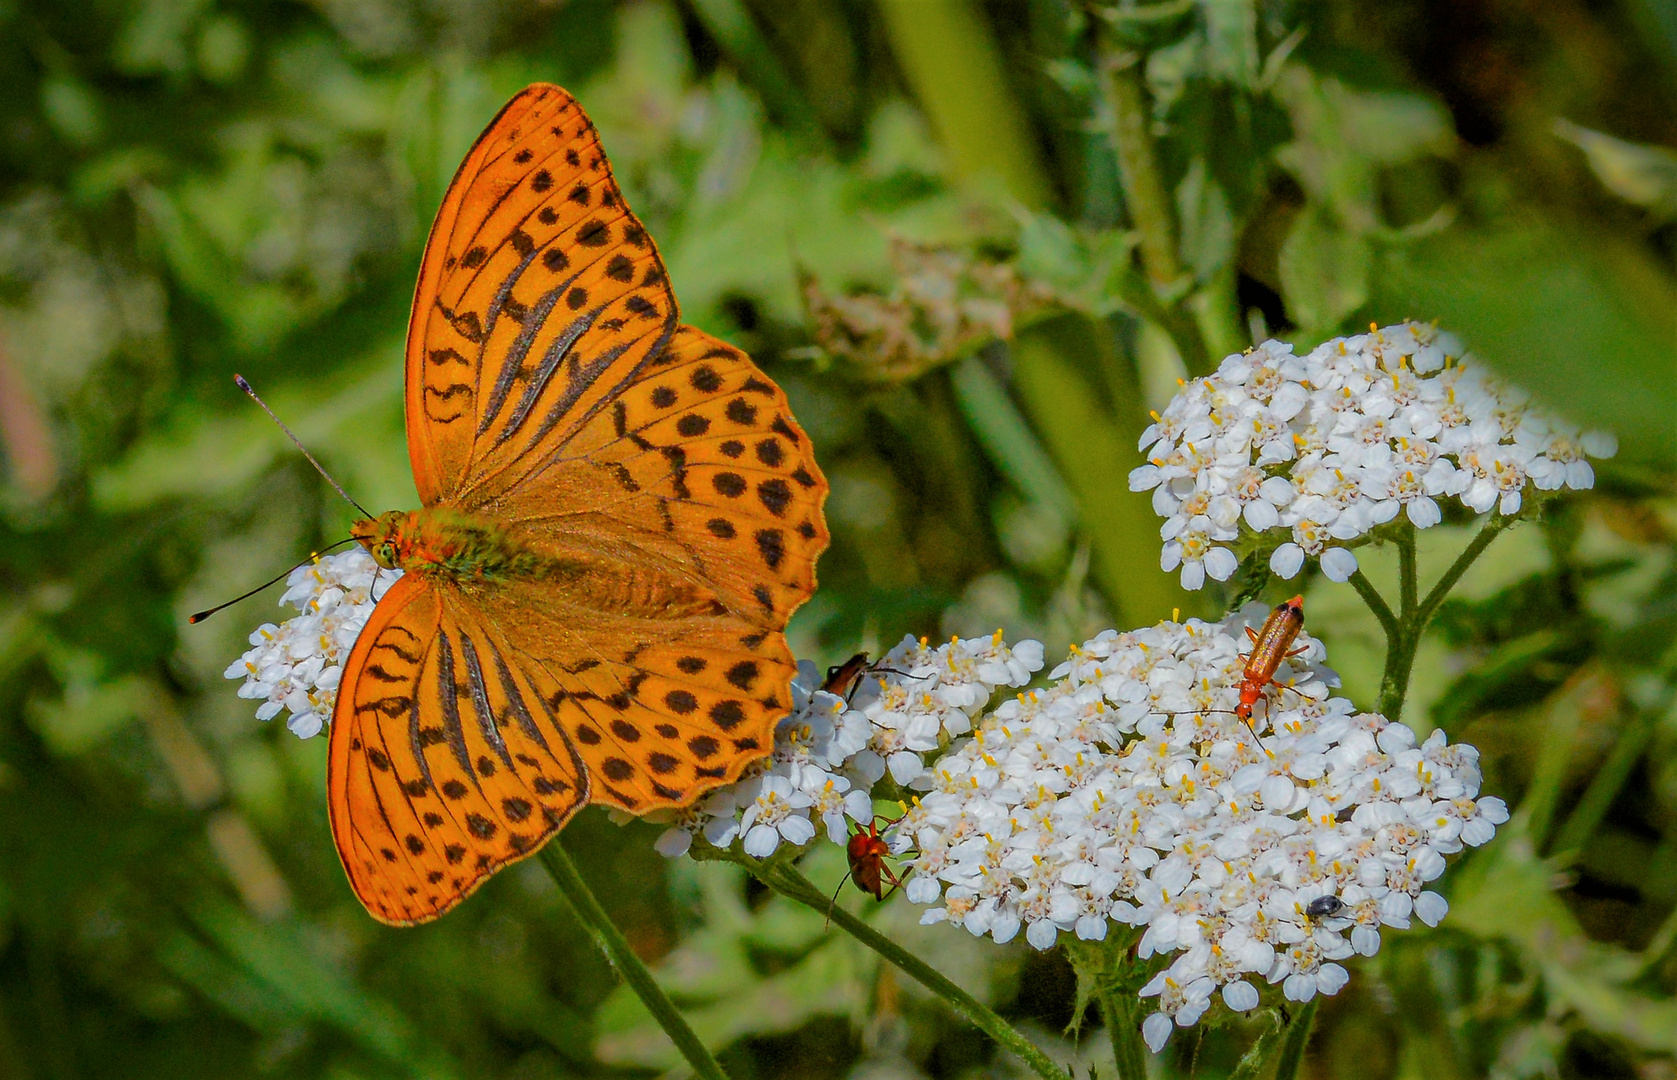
(1263,1048)
(1298,1038)
(1123,81)
(1400,661)
(1404,630)
(1376,603)
(1409,577)
(616,947)
(1436,595)
(785,879)
(1100,971)
(1138,165)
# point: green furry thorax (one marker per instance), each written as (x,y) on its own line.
(445,543)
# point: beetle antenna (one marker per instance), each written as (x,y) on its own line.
(202,615)
(833,903)
(245,386)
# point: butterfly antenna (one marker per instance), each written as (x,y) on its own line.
(202,615)
(245,386)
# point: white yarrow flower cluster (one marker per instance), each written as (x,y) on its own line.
(829,753)
(1326,447)
(1127,791)
(295,666)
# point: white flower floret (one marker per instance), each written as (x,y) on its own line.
(296,666)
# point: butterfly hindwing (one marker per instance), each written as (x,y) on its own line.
(538,289)
(444,762)
(663,701)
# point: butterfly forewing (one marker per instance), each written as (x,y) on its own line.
(449,763)
(538,293)
(698,469)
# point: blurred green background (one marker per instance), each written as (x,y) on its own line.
(976,242)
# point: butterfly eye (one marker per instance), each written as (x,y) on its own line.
(385,555)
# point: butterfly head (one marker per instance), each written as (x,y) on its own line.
(383,537)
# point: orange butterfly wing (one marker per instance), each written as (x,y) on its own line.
(445,761)
(539,291)
(551,388)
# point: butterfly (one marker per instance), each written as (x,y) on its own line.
(619,515)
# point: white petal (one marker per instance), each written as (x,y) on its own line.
(1431,908)
(1261,514)
(761,840)
(1600,444)
(1220,563)
(1144,478)
(1042,935)
(797,829)
(1287,561)
(1338,564)
(1240,996)
(1193,575)
(1156,1031)
(305,725)
(922,889)
(1331,978)
(905,766)
(673,843)
(1424,513)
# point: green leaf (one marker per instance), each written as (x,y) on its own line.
(1581,320)
(1645,176)
(1325,271)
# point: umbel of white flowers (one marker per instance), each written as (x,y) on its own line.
(1125,791)
(1321,449)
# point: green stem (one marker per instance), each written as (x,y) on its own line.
(616,947)
(785,879)
(1257,1056)
(1408,575)
(1115,996)
(1376,603)
(1138,165)
(1298,1038)
(1404,629)
(1147,200)
(1436,595)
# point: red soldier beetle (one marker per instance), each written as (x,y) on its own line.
(867,852)
(1270,646)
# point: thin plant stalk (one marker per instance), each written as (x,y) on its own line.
(1404,627)
(1252,1063)
(786,880)
(1299,1027)
(1119,1006)
(1409,599)
(616,947)
(1435,597)
(1147,199)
